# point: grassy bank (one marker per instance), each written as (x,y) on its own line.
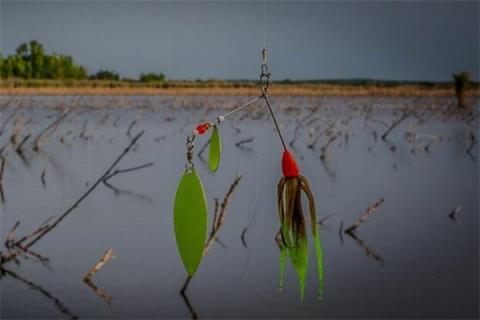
(214,87)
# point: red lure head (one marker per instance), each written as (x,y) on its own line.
(202,128)
(289,165)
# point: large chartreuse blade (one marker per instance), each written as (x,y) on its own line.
(299,257)
(190,220)
(215,150)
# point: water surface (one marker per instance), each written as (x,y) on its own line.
(410,260)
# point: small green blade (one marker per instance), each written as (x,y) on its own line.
(215,150)
(190,220)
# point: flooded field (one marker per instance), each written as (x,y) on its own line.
(416,256)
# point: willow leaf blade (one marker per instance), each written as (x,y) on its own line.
(215,150)
(190,216)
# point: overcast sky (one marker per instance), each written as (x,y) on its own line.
(401,40)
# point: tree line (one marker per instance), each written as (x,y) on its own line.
(31,61)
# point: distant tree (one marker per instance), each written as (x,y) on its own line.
(150,77)
(37,56)
(105,75)
(7,67)
(22,50)
(462,80)
(31,61)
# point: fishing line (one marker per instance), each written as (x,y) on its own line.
(240,107)
(264,24)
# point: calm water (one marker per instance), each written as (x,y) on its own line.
(426,264)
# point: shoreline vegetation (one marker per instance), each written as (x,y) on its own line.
(33,71)
(39,87)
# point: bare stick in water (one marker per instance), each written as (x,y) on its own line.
(99,265)
(2,169)
(220,216)
(49,130)
(42,177)
(321,221)
(324,148)
(50,227)
(19,147)
(394,124)
(242,237)
(453,215)
(119,171)
(240,143)
(473,142)
(368,212)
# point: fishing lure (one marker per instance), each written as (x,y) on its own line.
(191,209)
(293,231)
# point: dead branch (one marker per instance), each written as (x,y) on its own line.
(130,127)
(242,237)
(115,122)
(394,124)
(126,192)
(2,169)
(368,212)
(299,125)
(99,265)
(49,227)
(321,221)
(119,171)
(340,232)
(41,258)
(473,142)
(42,177)
(41,228)
(18,149)
(42,137)
(237,130)
(240,143)
(312,144)
(62,138)
(10,239)
(18,124)
(453,215)
(82,134)
(220,217)
(324,148)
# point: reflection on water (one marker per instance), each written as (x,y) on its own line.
(409,259)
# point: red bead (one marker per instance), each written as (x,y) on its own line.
(202,128)
(289,165)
